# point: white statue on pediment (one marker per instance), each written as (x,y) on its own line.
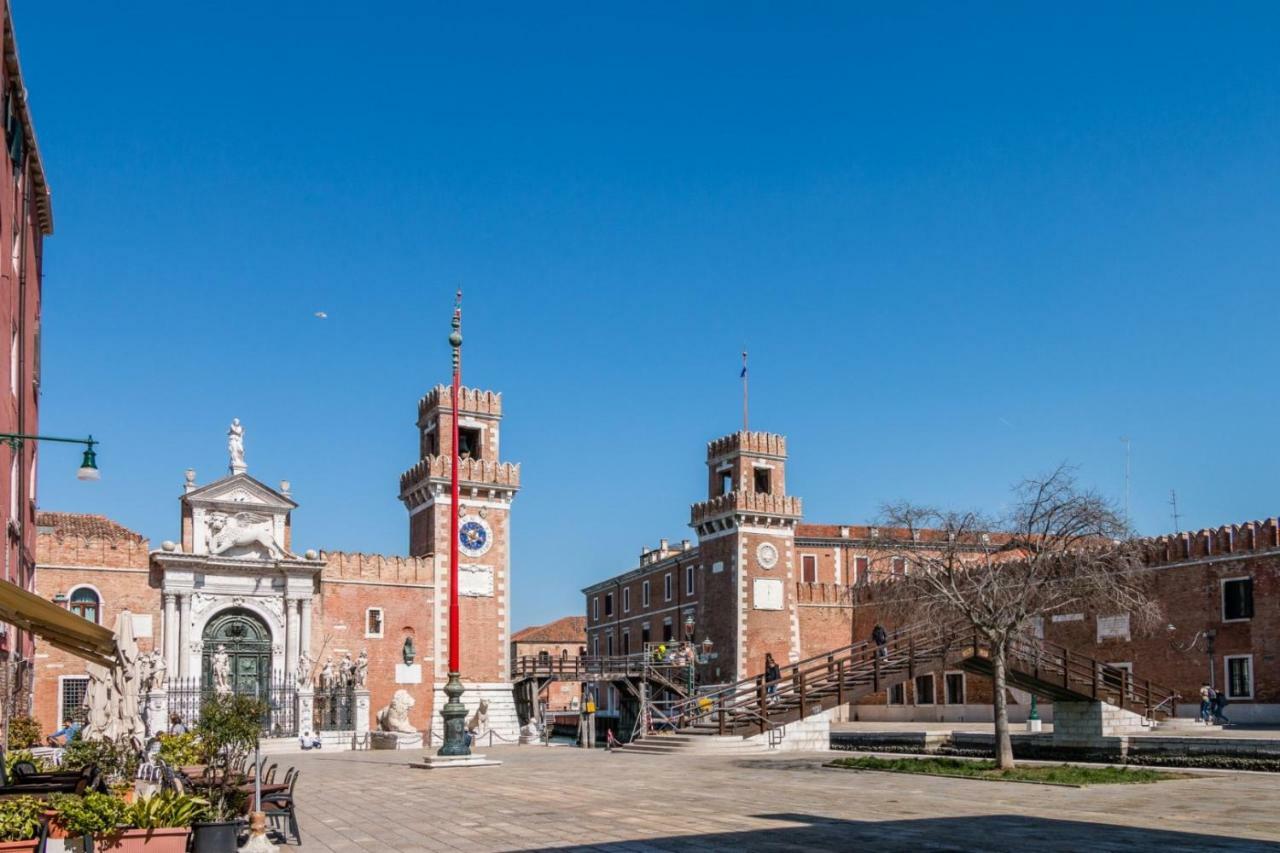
(235,446)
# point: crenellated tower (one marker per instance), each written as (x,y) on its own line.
(487,488)
(746,536)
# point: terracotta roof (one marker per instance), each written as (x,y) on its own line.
(83,525)
(570,629)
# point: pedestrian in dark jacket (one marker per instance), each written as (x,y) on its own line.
(1219,706)
(879,637)
(772,674)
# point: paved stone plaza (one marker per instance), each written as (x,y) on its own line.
(563,798)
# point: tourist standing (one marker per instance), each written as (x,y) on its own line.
(772,674)
(1206,702)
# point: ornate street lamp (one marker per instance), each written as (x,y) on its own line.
(88,462)
(454,712)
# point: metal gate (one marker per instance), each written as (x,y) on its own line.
(335,708)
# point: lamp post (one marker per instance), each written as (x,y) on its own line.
(689,627)
(88,462)
(454,712)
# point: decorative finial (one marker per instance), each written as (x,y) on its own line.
(455,337)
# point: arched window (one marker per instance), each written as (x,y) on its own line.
(85,602)
(544,657)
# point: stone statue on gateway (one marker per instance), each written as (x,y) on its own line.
(235,446)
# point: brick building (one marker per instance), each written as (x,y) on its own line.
(233,581)
(760,580)
(559,640)
(26,218)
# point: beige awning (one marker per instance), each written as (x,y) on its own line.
(56,625)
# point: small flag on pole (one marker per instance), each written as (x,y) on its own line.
(743,377)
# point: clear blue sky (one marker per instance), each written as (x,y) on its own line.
(963,243)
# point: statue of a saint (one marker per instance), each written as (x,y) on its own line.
(326,675)
(304,669)
(362,668)
(221,671)
(347,670)
(235,446)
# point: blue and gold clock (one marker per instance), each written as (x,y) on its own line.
(474,536)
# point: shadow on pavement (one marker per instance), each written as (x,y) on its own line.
(980,833)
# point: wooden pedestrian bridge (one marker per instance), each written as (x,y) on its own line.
(845,675)
(639,677)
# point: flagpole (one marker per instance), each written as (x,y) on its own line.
(454,712)
(744,392)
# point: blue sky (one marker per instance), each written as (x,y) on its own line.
(963,244)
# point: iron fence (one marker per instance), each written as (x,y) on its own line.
(187,695)
(334,708)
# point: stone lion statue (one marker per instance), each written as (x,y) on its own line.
(479,722)
(395,717)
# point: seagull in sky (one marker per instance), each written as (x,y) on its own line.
(321,315)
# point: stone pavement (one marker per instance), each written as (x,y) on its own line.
(563,798)
(1241,732)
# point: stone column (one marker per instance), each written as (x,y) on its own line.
(170,633)
(304,708)
(304,625)
(157,710)
(360,716)
(290,636)
(184,634)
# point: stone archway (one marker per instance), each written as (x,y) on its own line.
(248,642)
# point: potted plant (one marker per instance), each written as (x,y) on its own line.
(20,824)
(95,814)
(24,732)
(118,762)
(160,823)
(228,731)
(180,751)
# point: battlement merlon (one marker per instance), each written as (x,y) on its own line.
(754,443)
(1239,540)
(500,480)
(473,401)
(747,505)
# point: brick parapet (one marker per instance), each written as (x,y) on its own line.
(757,503)
(1227,540)
(53,549)
(764,443)
(472,400)
(342,565)
(482,471)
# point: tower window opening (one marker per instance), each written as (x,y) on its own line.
(726,483)
(469,442)
(761,480)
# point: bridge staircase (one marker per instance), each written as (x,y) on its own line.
(637,676)
(766,712)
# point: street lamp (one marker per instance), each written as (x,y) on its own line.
(88,463)
(689,627)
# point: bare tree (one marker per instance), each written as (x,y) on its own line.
(1057,548)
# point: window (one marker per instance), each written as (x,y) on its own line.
(809,568)
(924,689)
(897,694)
(1239,676)
(861,570)
(954,686)
(666,630)
(725,482)
(595,608)
(609,645)
(688,580)
(644,634)
(469,442)
(71,698)
(626,643)
(666,586)
(373,622)
(899,566)
(760,480)
(608,604)
(85,602)
(544,658)
(644,594)
(1237,599)
(626,600)
(595,645)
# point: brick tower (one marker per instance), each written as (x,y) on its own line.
(746,542)
(484,587)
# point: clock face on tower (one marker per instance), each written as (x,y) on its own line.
(474,536)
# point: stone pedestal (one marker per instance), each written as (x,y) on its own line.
(394,740)
(431,761)
(360,712)
(156,709)
(305,708)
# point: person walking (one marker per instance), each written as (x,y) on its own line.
(772,674)
(1219,706)
(880,638)
(1206,702)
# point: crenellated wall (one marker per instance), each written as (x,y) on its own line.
(473,400)
(377,567)
(747,442)
(1224,541)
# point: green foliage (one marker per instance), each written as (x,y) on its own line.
(117,761)
(181,750)
(20,818)
(228,729)
(1058,774)
(24,732)
(12,758)
(92,814)
(166,809)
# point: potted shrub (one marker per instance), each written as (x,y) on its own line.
(118,762)
(180,750)
(160,823)
(227,731)
(20,824)
(95,814)
(24,732)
